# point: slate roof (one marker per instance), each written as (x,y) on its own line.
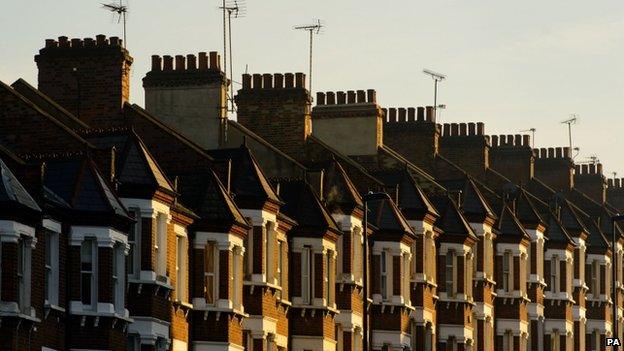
(556,232)
(302,205)
(247,180)
(525,208)
(386,216)
(452,221)
(339,193)
(412,201)
(473,204)
(509,226)
(12,193)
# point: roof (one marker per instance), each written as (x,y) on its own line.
(472,203)
(386,216)
(411,199)
(452,221)
(556,232)
(509,226)
(134,166)
(525,208)
(247,180)
(12,193)
(302,205)
(339,193)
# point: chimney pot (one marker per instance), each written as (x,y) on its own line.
(592,169)
(257,81)
(411,114)
(558,152)
(89,42)
(320,98)
(63,42)
(167,63)
(51,43)
(393,114)
(526,140)
(480,128)
(431,117)
(402,114)
(278,80)
(454,129)
(351,97)
(246,80)
(289,80)
(463,129)
(267,81)
(77,43)
(577,169)
(446,129)
(100,39)
(214,61)
(361,96)
(566,152)
(618,182)
(180,63)
(191,62)
(420,114)
(300,80)
(518,140)
(584,169)
(156,63)
(472,128)
(371,96)
(610,182)
(494,140)
(551,152)
(341,96)
(203,61)
(114,41)
(331,98)
(599,168)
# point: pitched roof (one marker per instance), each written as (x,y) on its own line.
(302,205)
(386,216)
(247,180)
(411,199)
(525,208)
(12,193)
(135,165)
(48,105)
(509,226)
(569,216)
(452,221)
(556,232)
(472,202)
(339,193)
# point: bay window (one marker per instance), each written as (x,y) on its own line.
(507,267)
(210,273)
(88,276)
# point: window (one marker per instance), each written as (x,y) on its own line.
(554,274)
(428,338)
(330,278)
(118,278)
(88,281)
(452,343)
(134,239)
(595,279)
(247,258)
(134,343)
(210,273)
(181,268)
(236,278)
(280,266)
(450,273)
(383,261)
(306,283)
(406,278)
(269,237)
(508,341)
(51,267)
(555,341)
(507,277)
(357,254)
(475,250)
(23,274)
(160,249)
(595,341)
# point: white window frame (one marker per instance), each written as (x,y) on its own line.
(248,254)
(595,284)
(450,279)
(508,276)
(268,264)
(508,342)
(383,275)
(237,268)
(181,267)
(24,268)
(280,267)
(135,341)
(306,275)
(119,282)
(214,275)
(357,245)
(555,341)
(406,278)
(134,254)
(93,272)
(160,246)
(52,267)
(555,271)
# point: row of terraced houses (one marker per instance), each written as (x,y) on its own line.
(174,227)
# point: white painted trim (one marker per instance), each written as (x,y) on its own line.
(259,217)
(179,345)
(460,249)
(260,326)
(149,208)
(180,230)
(105,236)
(104,309)
(395,248)
(515,249)
(560,324)
(483,310)
(215,346)
(316,343)
(10,231)
(396,339)
(43,348)
(517,326)
(52,225)
(349,319)
(461,333)
(226,241)
(149,329)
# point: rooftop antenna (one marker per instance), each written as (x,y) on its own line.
(437,77)
(231,9)
(570,121)
(614,175)
(532,130)
(120,9)
(312,29)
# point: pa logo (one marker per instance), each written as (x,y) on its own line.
(612,342)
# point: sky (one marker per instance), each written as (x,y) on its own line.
(512,65)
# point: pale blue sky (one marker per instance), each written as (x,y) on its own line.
(512,65)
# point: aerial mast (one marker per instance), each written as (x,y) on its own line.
(120,9)
(312,29)
(234,9)
(437,77)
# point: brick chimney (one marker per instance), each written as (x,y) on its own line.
(466,145)
(277,108)
(418,126)
(350,121)
(615,193)
(512,156)
(588,178)
(90,78)
(190,96)
(554,166)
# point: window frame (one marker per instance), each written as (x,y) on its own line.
(182,268)
(134,242)
(160,245)
(118,274)
(383,275)
(51,269)
(450,279)
(507,271)
(306,273)
(211,246)
(280,267)
(555,271)
(24,274)
(93,284)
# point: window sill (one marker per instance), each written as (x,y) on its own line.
(53,307)
(102,310)
(386,304)
(186,305)
(160,283)
(219,310)
(20,316)
(316,307)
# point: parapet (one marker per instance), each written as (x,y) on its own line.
(463,129)
(409,115)
(508,141)
(189,62)
(349,97)
(269,81)
(552,153)
(87,46)
(588,169)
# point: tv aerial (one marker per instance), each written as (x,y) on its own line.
(231,9)
(570,121)
(311,29)
(121,10)
(437,77)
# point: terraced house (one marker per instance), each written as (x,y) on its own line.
(173,226)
